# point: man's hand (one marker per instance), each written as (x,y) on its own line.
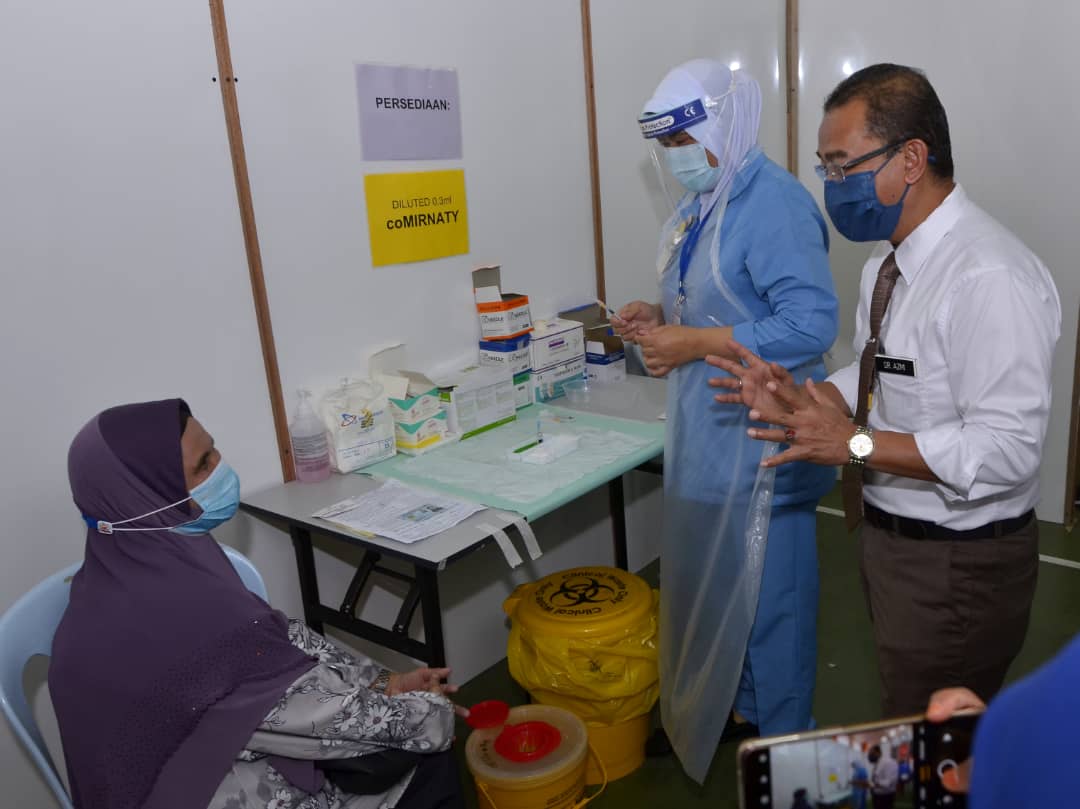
(637,317)
(749,375)
(943,704)
(665,348)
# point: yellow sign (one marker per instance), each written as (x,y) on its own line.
(416,216)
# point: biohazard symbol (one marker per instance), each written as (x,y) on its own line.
(576,592)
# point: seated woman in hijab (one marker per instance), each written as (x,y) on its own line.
(177,688)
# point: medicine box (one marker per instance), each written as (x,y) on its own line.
(554,342)
(476,399)
(605,359)
(548,383)
(514,355)
(503,315)
(605,354)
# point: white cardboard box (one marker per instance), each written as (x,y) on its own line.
(605,360)
(548,383)
(477,399)
(554,342)
(503,315)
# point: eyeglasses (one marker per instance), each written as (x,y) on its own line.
(836,174)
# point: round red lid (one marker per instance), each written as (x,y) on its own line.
(527,741)
(488,714)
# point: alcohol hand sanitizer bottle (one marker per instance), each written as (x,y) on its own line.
(311,453)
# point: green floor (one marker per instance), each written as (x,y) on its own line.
(847,689)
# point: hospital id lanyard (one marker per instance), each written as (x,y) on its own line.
(693,232)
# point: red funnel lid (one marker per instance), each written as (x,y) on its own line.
(527,741)
(488,714)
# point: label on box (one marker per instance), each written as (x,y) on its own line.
(523,389)
(556,341)
(510,354)
(548,384)
(610,370)
(505,323)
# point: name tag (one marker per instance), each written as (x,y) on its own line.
(894,365)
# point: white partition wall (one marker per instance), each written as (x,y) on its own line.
(1005,74)
(122,266)
(634,45)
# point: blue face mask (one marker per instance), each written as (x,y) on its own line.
(218,496)
(856,211)
(690,165)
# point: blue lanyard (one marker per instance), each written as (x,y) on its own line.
(687,251)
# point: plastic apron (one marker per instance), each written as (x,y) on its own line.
(717,502)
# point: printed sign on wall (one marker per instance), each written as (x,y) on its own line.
(416,216)
(408,113)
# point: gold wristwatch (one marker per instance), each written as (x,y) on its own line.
(860,446)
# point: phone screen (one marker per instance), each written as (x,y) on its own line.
(889,764)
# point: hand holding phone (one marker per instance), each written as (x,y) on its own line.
(919,762)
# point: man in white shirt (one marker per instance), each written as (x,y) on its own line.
(883,778)
(940,422)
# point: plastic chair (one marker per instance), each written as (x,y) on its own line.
(27,629)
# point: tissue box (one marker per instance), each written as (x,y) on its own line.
(418,437)
(419,421)
(514,355)
(503,315)
(548,383)
(554,342)
(477,399)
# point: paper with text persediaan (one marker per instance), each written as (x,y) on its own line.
(399,512)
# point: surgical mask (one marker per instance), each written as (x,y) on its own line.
(218,496)
(856,211)
(690,165)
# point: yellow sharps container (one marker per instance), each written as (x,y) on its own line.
(585,640)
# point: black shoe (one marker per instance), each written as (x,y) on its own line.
(736,731)
(658,744)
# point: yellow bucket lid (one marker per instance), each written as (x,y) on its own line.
(581,601)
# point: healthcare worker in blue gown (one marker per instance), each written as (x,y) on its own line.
(744,255)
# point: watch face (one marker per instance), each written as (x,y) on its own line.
(861,445)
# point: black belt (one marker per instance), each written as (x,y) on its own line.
(923,529)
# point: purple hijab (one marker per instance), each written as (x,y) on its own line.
(164,663)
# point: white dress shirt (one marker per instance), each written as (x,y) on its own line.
(980,315)
(886,773)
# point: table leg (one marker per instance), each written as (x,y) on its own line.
(309,584)
(432,613)
(618,522)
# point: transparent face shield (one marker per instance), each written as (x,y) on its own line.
(655,126)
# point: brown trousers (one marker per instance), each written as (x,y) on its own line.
(946,613)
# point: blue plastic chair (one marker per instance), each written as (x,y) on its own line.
(27,629)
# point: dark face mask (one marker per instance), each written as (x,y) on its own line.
(856,211)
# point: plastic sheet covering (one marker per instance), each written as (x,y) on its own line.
(605,673)
(481,463)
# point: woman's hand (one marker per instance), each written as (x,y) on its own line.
(665,348)
(943,704)
(637,317)
(424,679)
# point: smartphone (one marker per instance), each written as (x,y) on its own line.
(841,767)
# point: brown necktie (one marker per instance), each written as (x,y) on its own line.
(852,483)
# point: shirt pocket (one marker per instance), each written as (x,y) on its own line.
(899,400)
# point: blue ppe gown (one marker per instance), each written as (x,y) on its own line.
(766,273)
